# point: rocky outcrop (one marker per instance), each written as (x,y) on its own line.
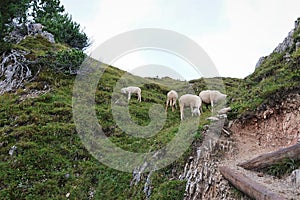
(48,36)
(260,61)
(20,32)
(37,29)
(289,41)
(204,180)
(14,70)
(17,34)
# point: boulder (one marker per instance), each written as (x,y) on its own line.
(48,36)
(295,178)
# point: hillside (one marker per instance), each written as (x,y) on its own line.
(42,154)
(48,159)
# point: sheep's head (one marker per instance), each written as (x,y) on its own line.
(222,97)
(123,91)
(196,111)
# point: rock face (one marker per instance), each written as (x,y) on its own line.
(295,179)
(289,41)
(48,36)
(286,45)
(34,28)
(16,35)
(204,180)
(260,61)
(276,124)
(20,32)
(14,70)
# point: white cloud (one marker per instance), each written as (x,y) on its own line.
(255,28)
(114,17)
(234,33)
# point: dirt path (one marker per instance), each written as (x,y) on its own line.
(267,131)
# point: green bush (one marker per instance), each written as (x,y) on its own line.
(52,15)
(70,60)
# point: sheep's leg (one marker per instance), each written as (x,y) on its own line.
(181,112)
(201,111)
(192,110)
(139,97)
(129,95)
(167,104)
(172,104)
(212,106)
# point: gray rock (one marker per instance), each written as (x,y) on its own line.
(295,178)
(224,110)
(34,28)
(67,175)
(286,44)
(297,23)
(287,57)
(12,150)
(297,45)
(260,61)
(213,118)
(16,35)
(48,36)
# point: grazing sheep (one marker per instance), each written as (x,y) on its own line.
(35,28)
(193,101)
(212,97)
(172,97)
(132,89)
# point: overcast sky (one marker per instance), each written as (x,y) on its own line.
(234,33)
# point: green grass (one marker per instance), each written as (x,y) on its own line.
(49,148)
(51,160)
(38,46)
(283,168)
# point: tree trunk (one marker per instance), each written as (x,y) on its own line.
(248,186)
(265,160)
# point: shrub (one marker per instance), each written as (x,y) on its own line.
(69,60)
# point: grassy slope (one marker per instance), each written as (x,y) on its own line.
(51,161)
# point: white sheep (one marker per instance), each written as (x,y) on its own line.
(132,90)
(212,97)
(193,101)
(172,97)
